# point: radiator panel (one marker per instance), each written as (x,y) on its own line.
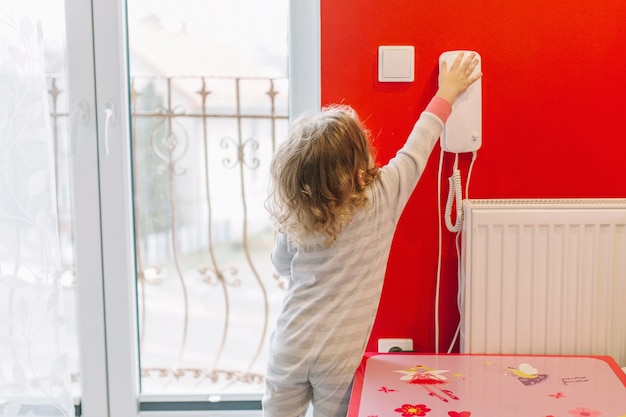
(544,277)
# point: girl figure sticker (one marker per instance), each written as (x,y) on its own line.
(428,377)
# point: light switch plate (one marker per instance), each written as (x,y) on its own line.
(396,63)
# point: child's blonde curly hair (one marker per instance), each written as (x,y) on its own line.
(319,176)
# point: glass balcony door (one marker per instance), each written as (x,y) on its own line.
(191,101)
(177,108)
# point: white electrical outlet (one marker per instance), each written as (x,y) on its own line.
(385,344)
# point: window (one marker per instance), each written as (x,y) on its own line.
(169,114)
(208,99)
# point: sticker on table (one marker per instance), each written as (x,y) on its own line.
(527,374)
(426,378)
(584,412)
(410,410)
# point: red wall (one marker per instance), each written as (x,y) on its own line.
(554,118)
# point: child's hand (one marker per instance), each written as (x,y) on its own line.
(458,78)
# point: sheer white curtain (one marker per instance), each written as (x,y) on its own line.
(34,375)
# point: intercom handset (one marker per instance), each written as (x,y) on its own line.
(463,130)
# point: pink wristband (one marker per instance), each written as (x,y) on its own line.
(440,108)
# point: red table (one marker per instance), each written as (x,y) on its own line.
(408,384)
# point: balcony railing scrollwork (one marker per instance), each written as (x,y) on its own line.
(201,148)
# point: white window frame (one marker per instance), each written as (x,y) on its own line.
(94,399)
(304,57)
(103,207)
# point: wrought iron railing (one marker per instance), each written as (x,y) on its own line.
(201,147)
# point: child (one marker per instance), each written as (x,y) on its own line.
(336,214)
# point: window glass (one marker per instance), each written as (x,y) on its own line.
(209,106)
(54,49)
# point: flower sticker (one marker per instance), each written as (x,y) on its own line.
(408,410)
(459,413)
(584,412)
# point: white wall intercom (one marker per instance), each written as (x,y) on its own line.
(463,130)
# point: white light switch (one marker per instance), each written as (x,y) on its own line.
(396,63)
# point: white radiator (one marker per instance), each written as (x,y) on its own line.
(544,277)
